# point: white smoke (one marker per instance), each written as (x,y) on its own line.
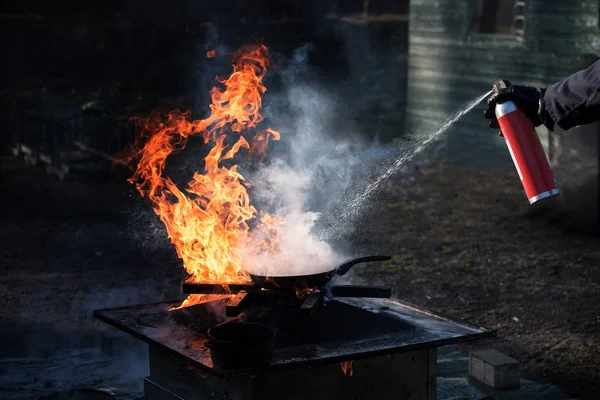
(299,250)
(305,178)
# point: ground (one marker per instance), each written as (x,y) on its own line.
(465,246)
(461,242)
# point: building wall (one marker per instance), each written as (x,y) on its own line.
(448,67)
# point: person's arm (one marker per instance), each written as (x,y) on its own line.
(574,100)
(568,103)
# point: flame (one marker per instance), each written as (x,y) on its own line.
(211,53)
(271,228)
(194,299)
(347,367)
(303,290)
(207,222)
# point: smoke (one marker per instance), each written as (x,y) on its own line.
(577,149)
(314,179)
(308,172)
(306,179)
(144,228)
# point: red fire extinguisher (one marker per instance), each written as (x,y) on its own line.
(526,150)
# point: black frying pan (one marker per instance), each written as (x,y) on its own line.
(292,283)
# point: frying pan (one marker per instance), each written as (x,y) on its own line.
(292,283)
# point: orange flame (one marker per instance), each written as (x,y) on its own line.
(207,222)
(211,53)
(347,367)
(194,299)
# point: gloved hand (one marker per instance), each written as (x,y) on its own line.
(527,98)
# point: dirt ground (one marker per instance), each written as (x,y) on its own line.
(467,245)
(461,243)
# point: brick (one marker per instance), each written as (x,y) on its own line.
(494,369)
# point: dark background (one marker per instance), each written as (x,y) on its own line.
(134,56)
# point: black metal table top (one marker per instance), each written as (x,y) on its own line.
(346,329)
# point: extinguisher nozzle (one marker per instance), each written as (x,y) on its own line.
(501,84)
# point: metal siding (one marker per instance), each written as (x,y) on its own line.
(447,68)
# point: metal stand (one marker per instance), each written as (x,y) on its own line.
(247,295)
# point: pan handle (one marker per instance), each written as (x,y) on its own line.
(343,268)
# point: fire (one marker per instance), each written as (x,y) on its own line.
(211,53)
(347,367)
(303,290)
(207,222)
(194,299)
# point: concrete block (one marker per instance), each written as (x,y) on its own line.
(495,369)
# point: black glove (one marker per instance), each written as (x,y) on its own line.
(527,98)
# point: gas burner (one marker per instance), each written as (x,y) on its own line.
(310,300)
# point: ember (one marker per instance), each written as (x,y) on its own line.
(347,367)
(194,299)
(208,220)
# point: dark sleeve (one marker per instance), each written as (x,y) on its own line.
(575,100)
